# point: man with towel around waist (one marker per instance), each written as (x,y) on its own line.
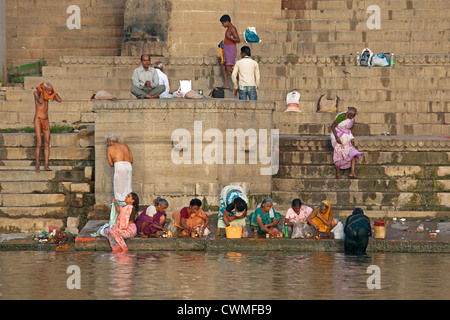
(120,157)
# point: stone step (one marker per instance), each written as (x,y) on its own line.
(290,59)
(31,200)
(371,157)
(65,106)
(11,187)
(361,95)
(89,71)
(340,4)
(52,56)
(273,81)
(360,14)
(369,36)
(269,93)
(58,174)
(365,129)
(66,94)
(267,68)
(365,171)
(340,48)
(363,117)
(32,212)
(10,119)
(84,139)
(367,185)
(63,43)
(65,3)
(386,143)
(58,153)
(343,24)
(348,200)
(29,225)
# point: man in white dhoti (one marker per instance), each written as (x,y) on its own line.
(120,157)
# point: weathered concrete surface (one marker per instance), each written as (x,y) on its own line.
(150,128)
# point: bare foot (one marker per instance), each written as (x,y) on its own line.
(353,176)
(37,169)
(47,168)
(338,177)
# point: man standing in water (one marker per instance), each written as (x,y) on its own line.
(120,157)
(42,95)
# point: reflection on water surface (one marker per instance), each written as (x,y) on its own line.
(230,275)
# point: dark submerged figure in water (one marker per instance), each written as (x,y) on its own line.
(357,232)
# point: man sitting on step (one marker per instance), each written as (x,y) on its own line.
(42,95)
(146,81)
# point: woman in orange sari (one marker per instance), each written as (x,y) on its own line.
(322,219)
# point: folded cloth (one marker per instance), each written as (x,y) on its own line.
(122,180)
(46,96)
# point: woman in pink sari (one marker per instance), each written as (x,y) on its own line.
(345,154)
(125,227)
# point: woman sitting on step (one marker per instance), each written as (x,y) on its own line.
(265,219)
(152,219)
(345,154)
(191,219)
(322,219)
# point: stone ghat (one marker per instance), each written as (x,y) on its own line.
(276,244)
(396,241)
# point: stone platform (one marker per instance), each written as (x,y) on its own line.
(400,238)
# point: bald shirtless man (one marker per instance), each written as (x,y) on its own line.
(120,157)
(42,95)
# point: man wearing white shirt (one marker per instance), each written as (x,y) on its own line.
(248,72)
(163,80)
(146,81)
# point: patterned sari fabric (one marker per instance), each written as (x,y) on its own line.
(344,152)
(266,218)
(227,196)
(123,230)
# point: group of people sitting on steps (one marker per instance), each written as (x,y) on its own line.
(192,221)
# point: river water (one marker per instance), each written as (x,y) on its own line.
(32,275)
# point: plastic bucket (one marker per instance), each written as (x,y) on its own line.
(380,232)
(233,231)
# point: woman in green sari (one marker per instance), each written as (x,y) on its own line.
(265,219)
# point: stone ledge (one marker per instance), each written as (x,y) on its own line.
(368,143)
(250,244)
(177,104)
(290,59)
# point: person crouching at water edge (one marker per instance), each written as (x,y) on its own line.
(342,139)
(125,227)
(264,220)
(151,222)
(233,207)
(191,220)
(322,219)
(357,232)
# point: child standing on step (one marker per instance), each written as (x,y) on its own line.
(229,48)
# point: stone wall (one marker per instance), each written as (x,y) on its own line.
(192,27)
(147,127)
